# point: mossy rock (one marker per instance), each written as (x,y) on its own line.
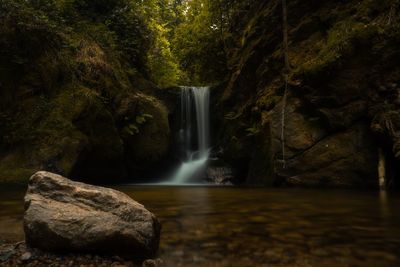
(71,134)
(15,168)
(148,140)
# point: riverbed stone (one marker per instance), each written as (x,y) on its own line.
(26,256)
(153,263)
(62,215)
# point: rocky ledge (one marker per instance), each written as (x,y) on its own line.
(62,216)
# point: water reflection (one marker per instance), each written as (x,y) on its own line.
(385,207)
(206,226)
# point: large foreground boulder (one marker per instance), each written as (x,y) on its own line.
(62,215)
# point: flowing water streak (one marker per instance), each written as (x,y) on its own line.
(202,101)
(186,122)
(195,160)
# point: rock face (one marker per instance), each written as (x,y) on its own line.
(342,98)
(62,215)
(145,133)
(219,175)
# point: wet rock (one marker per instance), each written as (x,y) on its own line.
(219,172)
(62,215)
(153,263)
(147,142)
(26,256)
(6,253)
(219,175)
(343,159)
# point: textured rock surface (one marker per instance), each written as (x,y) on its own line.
(147,143)
(62,215)
(219,175)
(342,101)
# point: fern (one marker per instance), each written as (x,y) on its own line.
(133,128)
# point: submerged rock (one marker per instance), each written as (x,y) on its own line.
(26,256)
(219,176)
(62,215)
(153,263)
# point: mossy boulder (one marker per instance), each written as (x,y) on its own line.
(64,79)
(145,131)
(72,133)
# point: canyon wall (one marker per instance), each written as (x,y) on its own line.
(343,94)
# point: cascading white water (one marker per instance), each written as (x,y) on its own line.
(195,160)
(201,97)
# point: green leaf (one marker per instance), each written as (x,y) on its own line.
(148,116)
(140,120)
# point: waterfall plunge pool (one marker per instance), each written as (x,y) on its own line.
(231,226)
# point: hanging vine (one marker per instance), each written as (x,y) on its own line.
(286,75)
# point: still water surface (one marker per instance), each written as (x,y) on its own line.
(212,226)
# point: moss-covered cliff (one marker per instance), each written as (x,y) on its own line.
(343,94)
(77,92)
(74,92)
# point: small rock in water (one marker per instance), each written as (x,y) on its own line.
(178,253)
(219,175)
(6,254)
(26,256)
(153,263)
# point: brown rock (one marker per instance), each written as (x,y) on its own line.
(62,215)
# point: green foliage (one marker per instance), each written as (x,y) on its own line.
(99,6)
(162,63)
(252,131)
(141,119)
(134,37)
(133,127)
(21,22)
(169,41)
(198,43)
(340,42)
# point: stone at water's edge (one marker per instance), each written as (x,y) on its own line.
(63,216)
(219,175)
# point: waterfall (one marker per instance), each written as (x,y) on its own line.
(194,101)
(202,102)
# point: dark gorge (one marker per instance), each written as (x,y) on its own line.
(175,101)
(89,107)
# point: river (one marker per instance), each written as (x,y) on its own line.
(230,226)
